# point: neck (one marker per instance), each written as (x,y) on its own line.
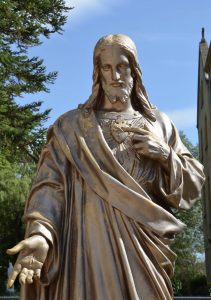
(117,106)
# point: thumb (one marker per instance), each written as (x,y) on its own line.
(17,248)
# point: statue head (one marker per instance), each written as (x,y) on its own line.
(138,95)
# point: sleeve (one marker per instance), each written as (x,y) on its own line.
(180,186)
(45,205)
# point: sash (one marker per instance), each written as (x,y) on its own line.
(81,139)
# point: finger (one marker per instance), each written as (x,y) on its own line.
(37,273)
(146,149)
(29,278)
(143,131)
(13,276)
(142,150)
(142,135)
(141,139)
(129,129)
(139,146)
(17,248)
(23,275)
(10,283)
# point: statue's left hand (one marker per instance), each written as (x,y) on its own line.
(150,145)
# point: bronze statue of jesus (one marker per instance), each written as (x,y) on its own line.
(99,218)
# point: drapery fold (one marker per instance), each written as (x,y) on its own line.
(109,239)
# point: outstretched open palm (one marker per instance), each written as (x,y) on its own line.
(33,252)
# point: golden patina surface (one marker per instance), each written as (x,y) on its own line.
(99,220)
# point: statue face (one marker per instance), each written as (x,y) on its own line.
(116,74)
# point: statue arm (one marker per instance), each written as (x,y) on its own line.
(181,184)
(179,176)
(43,220)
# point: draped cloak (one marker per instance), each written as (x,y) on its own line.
(109,236)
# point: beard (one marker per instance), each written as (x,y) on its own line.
(121,93)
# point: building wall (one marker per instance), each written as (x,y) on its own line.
(204,130)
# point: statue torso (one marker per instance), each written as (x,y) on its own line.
(121,144)
(145,171)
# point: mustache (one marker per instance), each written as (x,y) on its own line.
(117,83)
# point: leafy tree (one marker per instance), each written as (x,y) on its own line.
(22,25)
(194,150)
(189,245)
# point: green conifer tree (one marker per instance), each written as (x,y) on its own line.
(22,25)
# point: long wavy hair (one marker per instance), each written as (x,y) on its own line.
(139,97)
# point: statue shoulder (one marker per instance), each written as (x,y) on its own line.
(69,117)
(162,117)
(165,124)
(65,122)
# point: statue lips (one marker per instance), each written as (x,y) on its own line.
(117,84)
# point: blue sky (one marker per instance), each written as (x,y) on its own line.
(166,33)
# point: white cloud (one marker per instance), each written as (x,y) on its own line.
(183,118)
(83,8)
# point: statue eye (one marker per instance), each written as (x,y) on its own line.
(105,67)
(123,66)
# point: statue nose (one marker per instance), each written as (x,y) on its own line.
(115,75)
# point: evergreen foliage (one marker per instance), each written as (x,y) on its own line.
(189,245)
(22,25)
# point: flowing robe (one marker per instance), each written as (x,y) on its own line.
(109,235)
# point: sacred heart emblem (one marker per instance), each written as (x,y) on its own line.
(117,131)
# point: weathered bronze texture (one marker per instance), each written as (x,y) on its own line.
(99,220)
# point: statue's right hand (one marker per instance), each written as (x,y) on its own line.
(33,252)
